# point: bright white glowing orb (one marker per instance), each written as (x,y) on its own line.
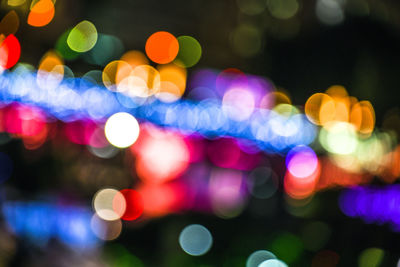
(109,204)
(121,130)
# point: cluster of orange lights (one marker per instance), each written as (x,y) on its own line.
(133,76)
(356,152)
(337,105)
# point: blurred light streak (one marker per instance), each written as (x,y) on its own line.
(41,221)
(69,102)
(373,204)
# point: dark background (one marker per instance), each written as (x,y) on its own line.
(362,54)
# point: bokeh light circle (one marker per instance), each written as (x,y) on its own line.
(339,138)
(146,77)
(371,257)
(189,51)
(109,204)
(259,256)
(114,72)
(63,48)
(195,240)
(162,47)
(122,129)
(82,37)
(160,155)
(301,161)
(41,14)
(9,24)
(10,52)
(134,204)
(320,108)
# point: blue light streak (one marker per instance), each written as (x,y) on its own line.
(78,99)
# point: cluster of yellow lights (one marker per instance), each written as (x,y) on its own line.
(347,131)
(337,105)
(132,76)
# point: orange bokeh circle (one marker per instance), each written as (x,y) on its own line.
(162,47)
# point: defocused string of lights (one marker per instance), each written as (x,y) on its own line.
(118,108)
(373,204)
(272,131)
